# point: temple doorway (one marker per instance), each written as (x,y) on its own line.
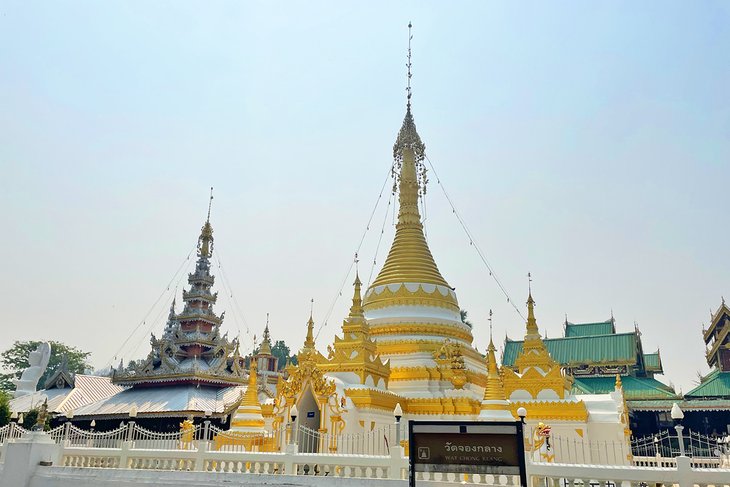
(308,434)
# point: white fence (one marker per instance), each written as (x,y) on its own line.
(125,458)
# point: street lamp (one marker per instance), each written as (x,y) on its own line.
(398,413)
(293,413)
(522,413)
(678,416)
(20,418)
(93,424)
(133,411)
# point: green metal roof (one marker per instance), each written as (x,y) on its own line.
(635,388)
(652,362)
(714,385)
(619,348)
(686,405)
(589,329)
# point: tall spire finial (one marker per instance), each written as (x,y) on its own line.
(529,283)
(409,65)
(210,203)
(490,326)
(309,341)
(205,241)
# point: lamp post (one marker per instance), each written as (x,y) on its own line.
(678,416)
(67,426)
(398,413)
(522,413)
(132,418)
(293,413)
(206,424)
(656,445)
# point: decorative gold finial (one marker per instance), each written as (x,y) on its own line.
(265,348)
(618,381)
(409,65)
(205,241)
(251,397)
(490,326)
(309,341)
(210,203)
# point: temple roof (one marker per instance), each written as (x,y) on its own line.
(87,389)
(619,348)
(634,388)
(191,349)
(175,401)
(716,384)
(653,362)
(589,329)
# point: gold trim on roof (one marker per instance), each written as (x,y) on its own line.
(385,297)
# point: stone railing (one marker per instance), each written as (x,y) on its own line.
(289,462)
(681,474)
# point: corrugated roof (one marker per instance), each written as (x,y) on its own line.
(714,385)
(87,389)
(165,400)
(589,329)
(635,388)
(619,348)
(652,362)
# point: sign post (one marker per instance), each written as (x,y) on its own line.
(464,447)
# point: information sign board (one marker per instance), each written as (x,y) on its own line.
(466,447)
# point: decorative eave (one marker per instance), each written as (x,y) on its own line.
(723,310)
(364,398)
(552,410)
(182,378)
(385,296)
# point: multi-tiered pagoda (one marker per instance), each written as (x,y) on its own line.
(191,370)
(191,349)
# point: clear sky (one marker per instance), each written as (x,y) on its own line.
(584,142)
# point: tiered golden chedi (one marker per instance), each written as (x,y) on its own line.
(412,311)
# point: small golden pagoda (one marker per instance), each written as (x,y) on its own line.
(540,385)
(356,352)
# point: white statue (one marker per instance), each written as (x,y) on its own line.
(38,360)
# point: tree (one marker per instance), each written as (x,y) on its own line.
(281,351)
(464,317)
(4,408)
(15,361)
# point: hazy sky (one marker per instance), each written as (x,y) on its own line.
(584,142)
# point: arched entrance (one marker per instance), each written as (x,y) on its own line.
(309,423)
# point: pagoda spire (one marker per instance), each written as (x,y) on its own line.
(494,405)
(248,416)
(194,350)
(309,341)
(265,348)
(533,333)
(409,259)
(205,241)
